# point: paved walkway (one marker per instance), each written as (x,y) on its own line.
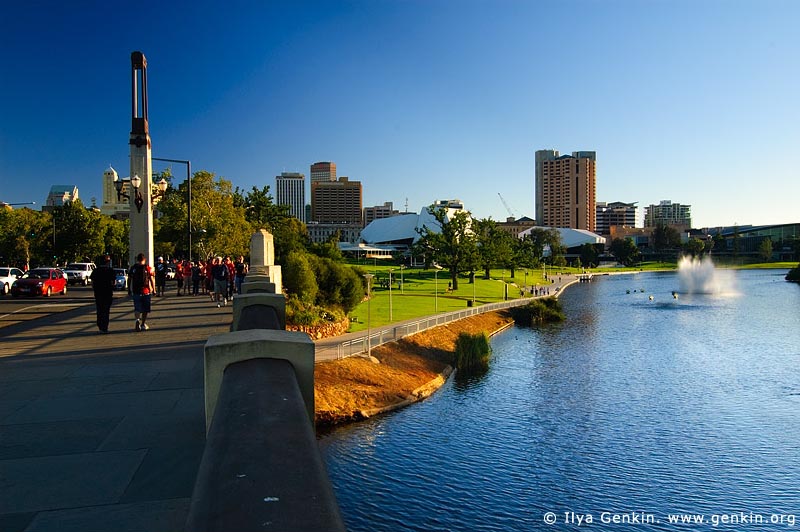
(103,432)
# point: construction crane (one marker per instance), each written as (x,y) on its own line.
(505,204)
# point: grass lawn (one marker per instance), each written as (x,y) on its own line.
(424,291)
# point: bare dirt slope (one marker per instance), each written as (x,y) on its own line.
(354,388)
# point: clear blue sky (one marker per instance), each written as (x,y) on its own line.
(693,101)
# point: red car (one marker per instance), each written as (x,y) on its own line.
(40,282)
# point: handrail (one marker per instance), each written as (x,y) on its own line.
(385,334)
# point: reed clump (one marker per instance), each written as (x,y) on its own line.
(472,351)
(538,311)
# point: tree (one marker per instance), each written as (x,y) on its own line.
(79,232)
(453,246)
(625,251)
(588,255)
(495,246)
(525,252)
(260,210)
(694,247)
(25,236)
(223,226)
(765,250)
(666,237)
(298,277)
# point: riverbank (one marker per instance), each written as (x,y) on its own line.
(407,371)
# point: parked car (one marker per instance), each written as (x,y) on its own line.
(170,271)
(79,272)
(121,281)
(7,278)
(40,282)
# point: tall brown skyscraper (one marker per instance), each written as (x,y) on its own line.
(323,171)
(565,189)
(336,202)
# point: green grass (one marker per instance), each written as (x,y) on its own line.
(418,296)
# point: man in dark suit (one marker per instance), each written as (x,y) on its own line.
(103,279)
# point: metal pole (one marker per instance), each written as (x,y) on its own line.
(390,295)
(436,290)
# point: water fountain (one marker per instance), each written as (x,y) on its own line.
(698,276)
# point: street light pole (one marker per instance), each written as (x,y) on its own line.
(189,198)
(369,277)
(436,290)
(390,295)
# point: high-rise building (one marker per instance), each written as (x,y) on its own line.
(379,211)
(336,201)
(613,214)
(59,195)
(565,189)
(116,205)
(290,189)
(323,171)
(668,213)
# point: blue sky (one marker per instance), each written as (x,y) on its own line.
(692,101)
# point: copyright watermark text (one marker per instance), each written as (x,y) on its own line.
(579,519)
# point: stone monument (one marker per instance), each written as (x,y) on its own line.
(262,260)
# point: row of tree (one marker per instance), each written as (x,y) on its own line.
(461,244)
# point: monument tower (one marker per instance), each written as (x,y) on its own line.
(141,202)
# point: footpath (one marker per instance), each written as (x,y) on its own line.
(103,432)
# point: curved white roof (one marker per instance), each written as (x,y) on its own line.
(401,227)
(571,238)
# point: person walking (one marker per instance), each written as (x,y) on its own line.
(142,286)
(161,277)
(220,274)
(103,280)
(241,272)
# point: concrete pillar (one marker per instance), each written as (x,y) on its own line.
(141,206)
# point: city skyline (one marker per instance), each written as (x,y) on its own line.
(696,109)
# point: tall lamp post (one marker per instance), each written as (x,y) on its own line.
(390,295)
(188,199)
(369,277)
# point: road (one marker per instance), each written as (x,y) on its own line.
(16,310)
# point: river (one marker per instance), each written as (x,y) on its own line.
(632,410)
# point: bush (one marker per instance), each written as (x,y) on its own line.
(472,351)
(538,311)
(301,313)
(794,274)
(298,277)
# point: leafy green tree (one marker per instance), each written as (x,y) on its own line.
(260,210)
(25,237)
(298,277)
(79,232)
(453,246)
(694,247)
(765,250)
(116,239)
(666,237)
(526,254)
(625,251)
(588,255)
(720,244)
(218,224)
(495,246)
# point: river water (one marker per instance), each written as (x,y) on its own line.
(634,407)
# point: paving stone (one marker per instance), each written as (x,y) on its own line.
(68,481)
(151,516)
(10,406)
(139,431)
(46,409)
(165,473)
(75,386)
(60,437)
(15,522)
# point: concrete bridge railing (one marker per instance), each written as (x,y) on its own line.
(261,467)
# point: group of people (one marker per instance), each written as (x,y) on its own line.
(219,277)
(200,277)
